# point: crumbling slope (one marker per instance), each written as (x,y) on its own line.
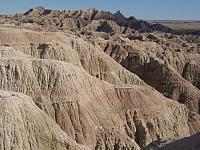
(112,110)
(24,126)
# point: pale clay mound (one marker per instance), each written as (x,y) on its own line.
(92,112)
(82,105)
(24,126)
(88,99)
(69,48)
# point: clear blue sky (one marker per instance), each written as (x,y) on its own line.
(142,9)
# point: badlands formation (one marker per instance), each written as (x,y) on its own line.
(91,79)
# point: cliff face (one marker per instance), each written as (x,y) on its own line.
(94,89)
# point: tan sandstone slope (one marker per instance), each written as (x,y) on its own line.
(24,126)
(82,86)
(91,111)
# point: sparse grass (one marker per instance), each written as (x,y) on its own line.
(184,26)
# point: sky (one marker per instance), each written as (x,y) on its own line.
(141,9)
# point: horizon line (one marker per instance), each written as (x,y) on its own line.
(145,19)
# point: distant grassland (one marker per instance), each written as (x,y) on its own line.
(183,26)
